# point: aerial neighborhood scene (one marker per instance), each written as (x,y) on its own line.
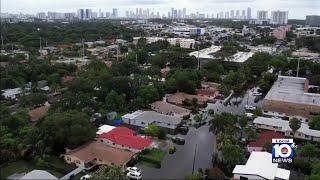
(160,89)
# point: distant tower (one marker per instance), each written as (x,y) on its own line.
(249,13)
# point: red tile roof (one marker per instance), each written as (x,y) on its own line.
(264,137)
(126,137)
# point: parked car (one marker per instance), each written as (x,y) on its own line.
(249,115)
(251,108)
(133,169)
(134,175)
(257,94)
(183,129)
(178,140)
(85,177)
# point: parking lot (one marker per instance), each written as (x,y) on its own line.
(235,106)
(179,164)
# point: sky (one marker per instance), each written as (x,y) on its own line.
(298,9)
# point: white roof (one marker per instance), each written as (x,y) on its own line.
(104,129)
(240,57)
(291,89)
(39,174)
(260,164)
(11,92)
(284,125)
(206,53)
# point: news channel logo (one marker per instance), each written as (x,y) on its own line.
(283,150)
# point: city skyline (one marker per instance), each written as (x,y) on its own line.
(297,9)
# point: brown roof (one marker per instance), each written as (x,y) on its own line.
(95,150)
(37,113)
(179,97)
(169,109)
(66,79)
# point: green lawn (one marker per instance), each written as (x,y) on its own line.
(57,167)
(156,154)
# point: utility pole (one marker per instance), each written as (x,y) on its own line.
(82,49)
(298,67)
(2,46)
(194,158)
(198,58)
(40,44)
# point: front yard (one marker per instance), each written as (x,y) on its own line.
(152,158)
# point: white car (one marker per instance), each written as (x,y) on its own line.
(249,115)
(85,177)
(247,107)
(133,169)
(257,94)
(134,175)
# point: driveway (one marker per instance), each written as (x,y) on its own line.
(179,164)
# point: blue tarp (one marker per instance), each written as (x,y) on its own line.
(118,122)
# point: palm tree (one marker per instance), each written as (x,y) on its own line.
(294,124)
(243,122)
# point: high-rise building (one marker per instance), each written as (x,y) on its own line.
(238,14)
(114,12)
(232,14)
(262,15)
(41,15)
(313,21)
(279,17)
(249,13)
(81,14)
(88,14)
(243,14)
(184,12)
(226,15)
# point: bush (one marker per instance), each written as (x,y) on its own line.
(162,133)
(172,149)
(151,160)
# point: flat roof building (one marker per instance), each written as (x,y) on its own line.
(260,166)
(289,95)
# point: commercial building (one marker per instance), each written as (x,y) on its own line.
(281,32)
(279,17)
(141,119)
(260,166)
(289,95)
(206,53)
(182,42)
(187,31)
(313,21)
(279,125)
(240,57)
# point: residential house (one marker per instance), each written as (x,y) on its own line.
(260,166)
(170,109)
(179,97)
(38,113)
(125,138)
(141,119)
(279,125)
(264,137)
(34,174)
(11,93)
(95,153)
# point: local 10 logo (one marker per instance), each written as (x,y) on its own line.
(283,150)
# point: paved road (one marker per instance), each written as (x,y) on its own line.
(179,164)
(236,105)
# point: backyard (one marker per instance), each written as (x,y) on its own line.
(53,165)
